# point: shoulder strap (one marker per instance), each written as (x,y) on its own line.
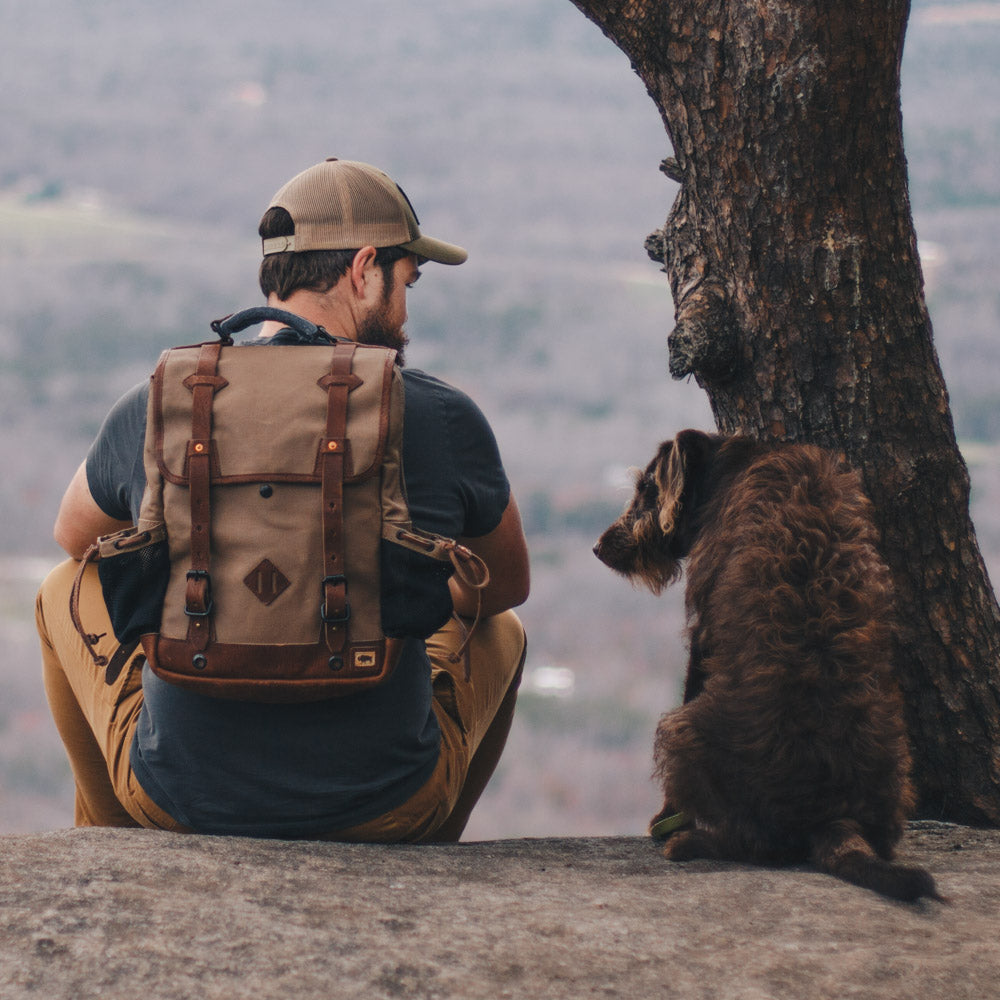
(335,610)
(204,384)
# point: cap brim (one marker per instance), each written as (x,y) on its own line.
(436,250)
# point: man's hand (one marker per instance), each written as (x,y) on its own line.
(505,552)
(80,521)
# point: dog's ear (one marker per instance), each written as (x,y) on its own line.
(669,473)
(675,467)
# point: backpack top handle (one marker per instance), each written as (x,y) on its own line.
(308,333)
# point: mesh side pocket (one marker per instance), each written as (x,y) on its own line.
(416,600)
(134,568)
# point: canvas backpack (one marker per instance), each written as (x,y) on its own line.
(274,558)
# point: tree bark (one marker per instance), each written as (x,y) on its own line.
(799,308)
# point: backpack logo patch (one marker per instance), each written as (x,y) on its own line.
(266,582)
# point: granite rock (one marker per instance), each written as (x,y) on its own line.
(143,914)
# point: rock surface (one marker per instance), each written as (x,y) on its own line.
(142,914)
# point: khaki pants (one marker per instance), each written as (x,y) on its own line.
(97,721)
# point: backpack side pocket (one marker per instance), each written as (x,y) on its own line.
(134,567)
(416,600)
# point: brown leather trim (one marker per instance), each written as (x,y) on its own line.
(198,378)
(388,366)
(156,389)
(335,608)
(352,475)
(198,597)
(306,669)
(348,464)
(207,447)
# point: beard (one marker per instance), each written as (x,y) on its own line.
(377,329)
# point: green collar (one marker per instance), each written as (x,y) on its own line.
(668,825)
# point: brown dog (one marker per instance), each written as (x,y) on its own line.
(791,744)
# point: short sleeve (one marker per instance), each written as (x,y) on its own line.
(115,473)
(480,472)
(455,480)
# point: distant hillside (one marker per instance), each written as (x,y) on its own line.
(141,144)
(140,150)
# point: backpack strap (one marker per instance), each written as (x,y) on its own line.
(335,609)
(204,384)
(90,640)
(475,575)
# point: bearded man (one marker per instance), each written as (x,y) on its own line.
(404,761)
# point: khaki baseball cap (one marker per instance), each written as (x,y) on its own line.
(346,205)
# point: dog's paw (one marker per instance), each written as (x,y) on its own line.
(684,846)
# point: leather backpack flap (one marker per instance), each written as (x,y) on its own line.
(270,415)
(268,422)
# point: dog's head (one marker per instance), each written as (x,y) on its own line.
(658,527)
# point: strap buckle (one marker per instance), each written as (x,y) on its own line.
(337,619)
(201,574)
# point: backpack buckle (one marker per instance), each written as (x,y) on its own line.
(337,619)
(204,599)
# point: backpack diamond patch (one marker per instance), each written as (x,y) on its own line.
(266,582)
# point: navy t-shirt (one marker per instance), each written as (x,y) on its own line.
(231,767)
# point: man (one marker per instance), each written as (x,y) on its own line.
(406,760)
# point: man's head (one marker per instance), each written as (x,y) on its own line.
(335,217)
(346,205)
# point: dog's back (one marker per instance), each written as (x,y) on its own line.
(795,746)
(791,607)
(785,579)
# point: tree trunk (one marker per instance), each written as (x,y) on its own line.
(799,309)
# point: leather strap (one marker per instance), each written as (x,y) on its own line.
(204,384)
(475,575)
(90,640)
(335,609)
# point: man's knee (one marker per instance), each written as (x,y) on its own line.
(502,639)
(54,593)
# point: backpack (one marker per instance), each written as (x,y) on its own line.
(274,558)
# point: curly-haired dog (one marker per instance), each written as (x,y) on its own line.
(790,745)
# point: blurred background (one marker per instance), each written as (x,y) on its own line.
(142,142)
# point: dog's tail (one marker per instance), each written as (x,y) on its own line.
(840,849)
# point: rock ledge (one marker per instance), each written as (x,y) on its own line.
(141,914)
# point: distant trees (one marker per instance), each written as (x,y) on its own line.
(799,305)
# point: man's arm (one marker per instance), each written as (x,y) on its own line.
(80,522)
(505,552)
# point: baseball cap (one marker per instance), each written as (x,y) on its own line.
(345,205)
